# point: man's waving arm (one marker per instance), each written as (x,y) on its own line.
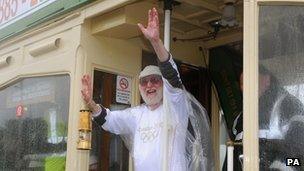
(166,63)
(99,113)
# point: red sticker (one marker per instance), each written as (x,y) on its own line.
(19,111)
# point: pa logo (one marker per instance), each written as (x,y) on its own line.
(293,162)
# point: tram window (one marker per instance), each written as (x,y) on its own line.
(281,109)
(296,90)
(33,123)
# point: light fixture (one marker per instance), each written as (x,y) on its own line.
(228,16)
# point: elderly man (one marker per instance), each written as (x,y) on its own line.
(143,126)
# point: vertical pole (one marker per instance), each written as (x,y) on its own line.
(251,88)
(167,9)
(230,157)
(167,29)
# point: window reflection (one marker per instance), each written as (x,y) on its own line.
(33,124)
(281,109)
(297,91)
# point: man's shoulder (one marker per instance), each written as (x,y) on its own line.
(291,106)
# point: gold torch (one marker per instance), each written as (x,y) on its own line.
(84,130)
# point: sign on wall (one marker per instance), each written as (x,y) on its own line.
(14,10)
(17,16)
(29,93)
(123,89)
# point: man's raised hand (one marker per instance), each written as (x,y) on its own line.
(151,32)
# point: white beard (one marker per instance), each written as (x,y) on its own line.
(152,100)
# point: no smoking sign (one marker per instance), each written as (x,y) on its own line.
(123,83)
(123,89)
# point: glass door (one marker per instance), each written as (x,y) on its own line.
(281,109)
(273,106)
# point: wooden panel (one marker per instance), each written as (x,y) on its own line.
(106,101)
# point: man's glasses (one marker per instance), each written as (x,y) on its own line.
(154,79)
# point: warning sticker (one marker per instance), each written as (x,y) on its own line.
(19,110)
(123,89)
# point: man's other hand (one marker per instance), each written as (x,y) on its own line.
(86,90)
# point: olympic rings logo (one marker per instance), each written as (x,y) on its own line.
(147,136)
(149,133)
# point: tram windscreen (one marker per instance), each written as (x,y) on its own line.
(281,87)
(33,123)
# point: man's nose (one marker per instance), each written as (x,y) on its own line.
(149,84)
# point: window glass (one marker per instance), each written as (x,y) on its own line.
(297,90)
(281,79)
(33,124)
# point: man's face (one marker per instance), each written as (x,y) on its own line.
(151,89)
(264,83)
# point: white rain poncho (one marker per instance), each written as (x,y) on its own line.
(198,145)
(197,148)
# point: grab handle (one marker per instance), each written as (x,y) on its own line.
(45,47)
(5,61)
